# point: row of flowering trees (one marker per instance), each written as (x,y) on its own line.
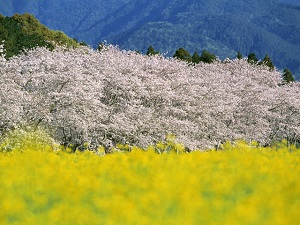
(113,96)
(208,57)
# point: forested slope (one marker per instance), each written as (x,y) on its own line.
(21,32)
(222,27)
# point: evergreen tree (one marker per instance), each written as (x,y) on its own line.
(151,51)
(207,57)
(239,55)
(288,76)
(101,46)
(196,58)
(183,54)
(252,58)
(268,62)
(83,43)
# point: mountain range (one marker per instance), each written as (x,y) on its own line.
(223,27)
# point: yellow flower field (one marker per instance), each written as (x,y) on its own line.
(237,185)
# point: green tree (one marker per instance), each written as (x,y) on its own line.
(183,54)
(22,32)
(151,51)
(268,62)
(207,57)
(82,43)
(288,76)
(101,46)
(239,55)
(3,33)
(252,58)
(196,58)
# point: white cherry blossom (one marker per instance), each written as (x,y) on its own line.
(81,95)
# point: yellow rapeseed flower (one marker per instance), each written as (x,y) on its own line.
(241,184)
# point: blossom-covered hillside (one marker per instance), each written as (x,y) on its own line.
(113,96)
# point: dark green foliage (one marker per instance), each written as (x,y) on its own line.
(268,62)
(151,51)
(239,55)
(21,32)
(207,57)
(100,47)
(196,58)
(183,54)
(252,58)
(288,76)
(82,43)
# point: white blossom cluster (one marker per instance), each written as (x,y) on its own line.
(81,95)
(2,51)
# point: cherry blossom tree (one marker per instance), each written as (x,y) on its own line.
(113,96)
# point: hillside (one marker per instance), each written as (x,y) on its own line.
(21,32)
(223,27)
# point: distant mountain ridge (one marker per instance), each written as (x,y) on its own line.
(66,15)
(291,2)
(221,26)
